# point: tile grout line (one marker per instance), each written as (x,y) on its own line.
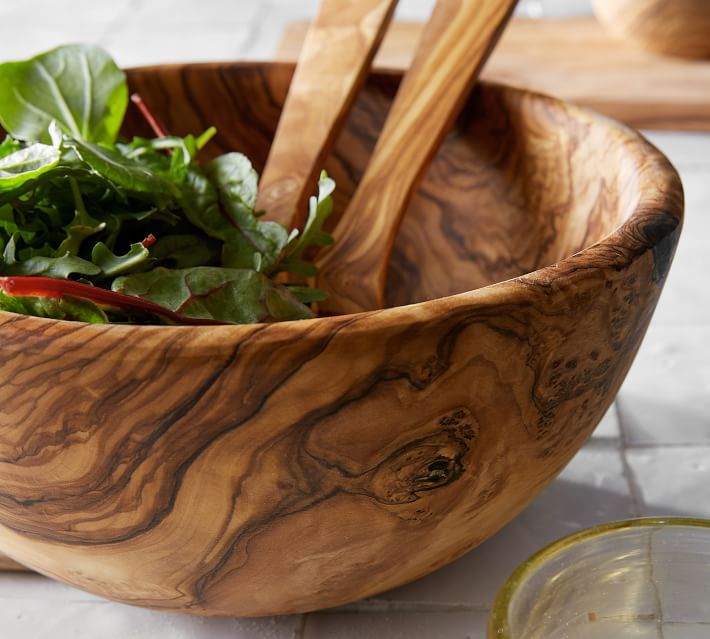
(628,473)
(255,33)
(300,632)
(666,445)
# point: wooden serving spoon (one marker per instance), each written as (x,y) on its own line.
(336,55)
(454,46)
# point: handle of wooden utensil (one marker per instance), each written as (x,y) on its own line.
(332,65)
(454,46)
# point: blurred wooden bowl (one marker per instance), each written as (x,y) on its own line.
(673,27)
(263,469)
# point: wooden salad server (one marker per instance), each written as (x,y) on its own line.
(333,63)
(453,48)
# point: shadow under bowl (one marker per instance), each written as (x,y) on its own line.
(267,469)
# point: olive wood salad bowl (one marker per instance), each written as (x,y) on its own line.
(276,468)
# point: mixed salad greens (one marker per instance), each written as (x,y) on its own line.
(99,229)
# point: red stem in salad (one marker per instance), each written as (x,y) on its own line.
(22,286)
(149,116)
(149,240)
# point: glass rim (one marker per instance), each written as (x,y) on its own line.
(498,627)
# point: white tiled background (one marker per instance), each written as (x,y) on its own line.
(651,454)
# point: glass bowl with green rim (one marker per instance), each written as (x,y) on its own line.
(642,578)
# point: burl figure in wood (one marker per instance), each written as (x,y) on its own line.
(261,469)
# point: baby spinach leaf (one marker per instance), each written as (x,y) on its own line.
(79,86)
(26,164)
(228,295)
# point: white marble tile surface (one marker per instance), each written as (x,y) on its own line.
(672,480)
(666,396)
(650,455)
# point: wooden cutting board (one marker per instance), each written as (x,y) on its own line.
(576,60)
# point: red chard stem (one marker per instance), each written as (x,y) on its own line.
(56,288)
(149,116)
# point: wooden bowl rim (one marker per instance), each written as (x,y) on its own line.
(659,187)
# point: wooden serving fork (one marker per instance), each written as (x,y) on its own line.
(455,44)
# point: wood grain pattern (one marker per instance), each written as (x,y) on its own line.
(454,46)
(577,60)
(251,470)
(334,61)
(681,27)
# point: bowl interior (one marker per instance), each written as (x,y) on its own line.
(521,181)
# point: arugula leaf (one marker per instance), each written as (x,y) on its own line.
(183,151)
(313,234)
(26,164)
(78,86)
(228,295)
(124,173)
(61,267)
(11,227)
(81,227)
(8,254)
(112,264)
